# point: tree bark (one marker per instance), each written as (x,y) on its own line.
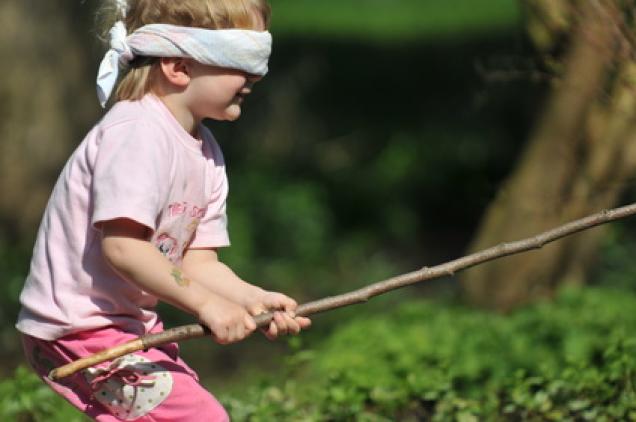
(578,159)
(47,104)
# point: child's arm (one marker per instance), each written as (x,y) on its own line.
(126,249)
(204,266)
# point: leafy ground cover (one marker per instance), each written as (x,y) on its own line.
(573,359)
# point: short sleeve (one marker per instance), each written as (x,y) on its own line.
(131,174)
(212,230)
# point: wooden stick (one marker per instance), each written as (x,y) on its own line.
(361,295)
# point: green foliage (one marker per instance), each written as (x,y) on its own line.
(617,266)
(574,359)
(281,228)
(13,265)
(392,20)
(25,398)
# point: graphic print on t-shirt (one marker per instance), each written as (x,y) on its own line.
(167,245)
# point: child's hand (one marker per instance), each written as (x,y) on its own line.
(285,322)
(228,321)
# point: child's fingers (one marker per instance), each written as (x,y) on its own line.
(293,327)
(280,301)
(233,334)
(256,309)
(286,324)
(288,304)
(277,327)
(249,323)
(272,332)
(303,322)
(221,335)
(281,321)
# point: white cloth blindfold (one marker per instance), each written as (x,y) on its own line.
(239,49)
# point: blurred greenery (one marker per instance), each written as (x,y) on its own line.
(382,20)
(371,149)
(25,398)
(616,265)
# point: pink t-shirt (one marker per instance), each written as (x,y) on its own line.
(138,163)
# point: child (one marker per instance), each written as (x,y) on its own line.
(138,213)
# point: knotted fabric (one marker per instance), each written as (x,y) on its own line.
(126,375)
(238,49)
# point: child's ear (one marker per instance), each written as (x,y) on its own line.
(176,70)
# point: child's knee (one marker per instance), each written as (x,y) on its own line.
(189,401)
(208,409)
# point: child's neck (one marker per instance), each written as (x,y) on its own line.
(181,113)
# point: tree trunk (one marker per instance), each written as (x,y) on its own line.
(46,104)
(576,162)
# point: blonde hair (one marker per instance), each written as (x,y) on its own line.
(208,14)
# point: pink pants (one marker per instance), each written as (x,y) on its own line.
(153,385)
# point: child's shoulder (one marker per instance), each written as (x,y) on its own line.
(137,120)
(127,113)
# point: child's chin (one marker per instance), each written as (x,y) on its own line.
(233,112)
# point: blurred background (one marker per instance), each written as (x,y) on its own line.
(389,135)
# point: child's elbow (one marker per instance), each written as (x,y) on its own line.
(115,251)
(120,240)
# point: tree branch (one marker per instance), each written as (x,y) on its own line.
(361,295)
